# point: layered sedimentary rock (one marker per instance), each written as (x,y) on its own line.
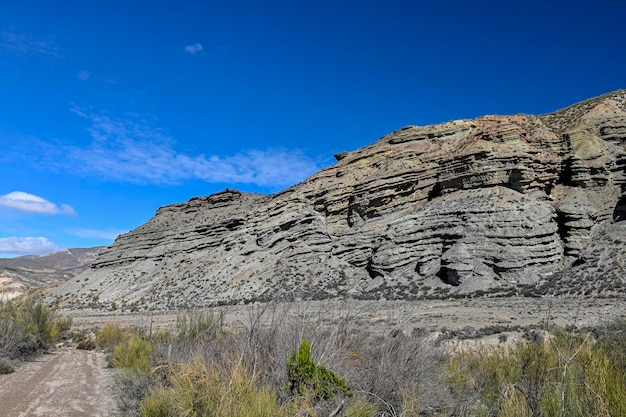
(490,204)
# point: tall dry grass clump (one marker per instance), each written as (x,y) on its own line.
(569,374)
(201,388)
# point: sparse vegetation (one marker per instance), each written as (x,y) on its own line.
(565,374)
(27,326)
(305,377)
(275,369)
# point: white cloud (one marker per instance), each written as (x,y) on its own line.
(194,48)
(26,245)
(110,234)
(135,151)
(21,201)
(27,44)
(83,75)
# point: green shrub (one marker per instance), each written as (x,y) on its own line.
(59,327)
(158,404)
(305,376)
(110,335)
(35,317)
(133,355)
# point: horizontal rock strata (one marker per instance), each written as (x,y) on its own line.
(493,204)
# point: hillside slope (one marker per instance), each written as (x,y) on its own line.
(498,204)
(19,274)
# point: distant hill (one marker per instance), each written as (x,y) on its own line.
(497,205)
(17,275)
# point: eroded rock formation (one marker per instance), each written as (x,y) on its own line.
(492,204)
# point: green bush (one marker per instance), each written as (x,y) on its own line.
(35,317)
(305,376)
(133,355)
(158,404)
(60,326)
(110,335)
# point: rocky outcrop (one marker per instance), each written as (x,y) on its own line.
(492,204)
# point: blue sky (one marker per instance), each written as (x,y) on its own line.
(111,109)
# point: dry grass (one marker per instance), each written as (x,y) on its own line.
(202,365)
(27,326)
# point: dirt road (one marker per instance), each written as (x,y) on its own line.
(67,382)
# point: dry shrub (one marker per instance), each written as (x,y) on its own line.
(198,327)
(11,334)
(200,388)
(566,375)
(361,408)
(28,326)
(83,340)
(6,367)
(241,371)
(402,373)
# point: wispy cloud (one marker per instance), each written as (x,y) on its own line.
(109,234)
(83,75)
(21,201)
(134,150)
(194,48)
(28,44)
(26,245)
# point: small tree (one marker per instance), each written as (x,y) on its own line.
(305,376)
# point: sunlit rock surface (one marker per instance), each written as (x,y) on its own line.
(499,204)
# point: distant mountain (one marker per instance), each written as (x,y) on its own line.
(17,275)
(495,205)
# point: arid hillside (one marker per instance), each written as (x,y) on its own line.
(17,275)
(500,205)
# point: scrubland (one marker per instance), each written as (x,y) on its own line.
(27,328)
(273,365)
(280,360)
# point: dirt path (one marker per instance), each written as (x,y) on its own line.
(65,383)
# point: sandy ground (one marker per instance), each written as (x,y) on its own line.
(378,317)
(65,383)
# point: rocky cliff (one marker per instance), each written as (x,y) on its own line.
(499,204)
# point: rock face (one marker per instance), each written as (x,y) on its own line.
(493,204)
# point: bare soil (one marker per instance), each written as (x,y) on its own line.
(379,317)
(65,383)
